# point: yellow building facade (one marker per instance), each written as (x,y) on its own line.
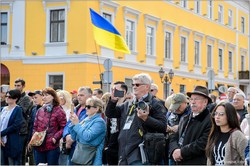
(51,43)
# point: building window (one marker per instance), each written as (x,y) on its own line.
(183,89)
(107,16)
(230,61)
(220,59)
(230,18)
(150,41)
(210,9)
(168,45)
(130,34)
(183,49)
(57,25)
(56,81)
(4,26)
(242,63)
(184,3)
(197,6)
(220,14)
(242,23)
(196,53)
(128,82)
(209,56)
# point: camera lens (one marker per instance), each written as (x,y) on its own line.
(142,105)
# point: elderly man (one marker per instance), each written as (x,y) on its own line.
(133,119)
(187,145)
(238,103)
(230,93)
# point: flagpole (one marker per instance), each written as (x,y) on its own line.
(98,61)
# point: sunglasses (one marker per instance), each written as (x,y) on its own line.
(137,85)
(152,90)
(8,96)
(89,106)
(220,114)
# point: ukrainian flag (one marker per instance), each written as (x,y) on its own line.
(106,35)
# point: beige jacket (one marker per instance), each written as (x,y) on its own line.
(235,147)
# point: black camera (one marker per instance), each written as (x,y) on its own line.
(142,105)
(64,150)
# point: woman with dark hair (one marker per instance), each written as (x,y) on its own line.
(11,120)
(51,117)
(226,142)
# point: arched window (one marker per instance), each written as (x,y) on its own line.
(5,75)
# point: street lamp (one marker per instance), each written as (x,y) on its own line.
(166,79)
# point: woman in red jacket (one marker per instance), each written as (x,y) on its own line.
(51,117)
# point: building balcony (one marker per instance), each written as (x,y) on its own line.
(243,75)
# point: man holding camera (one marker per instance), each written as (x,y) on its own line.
(136,121)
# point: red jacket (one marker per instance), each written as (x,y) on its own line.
(55,127)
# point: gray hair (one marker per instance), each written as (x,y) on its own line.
(240,95)
(143,78)
(86,89)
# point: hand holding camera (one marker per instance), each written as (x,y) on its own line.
(142,110)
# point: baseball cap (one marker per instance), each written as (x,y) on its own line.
(73,92)
(35,92)
(176,101)
(168,101)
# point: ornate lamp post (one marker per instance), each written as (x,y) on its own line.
(166,79)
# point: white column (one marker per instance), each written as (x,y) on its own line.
(18,28)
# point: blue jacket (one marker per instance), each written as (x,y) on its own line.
(92,133)
(13,145)
(81,117)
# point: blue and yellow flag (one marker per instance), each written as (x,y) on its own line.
(106,34)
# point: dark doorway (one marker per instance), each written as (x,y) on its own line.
(5,75)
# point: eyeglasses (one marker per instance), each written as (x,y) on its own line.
(137,85)
(234,100)
(220,114)
(89,106)
(195,99)
(152,90)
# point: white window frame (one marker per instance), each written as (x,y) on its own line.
(210,56)
(242,62)
(230,67)
(230,18)
(133,49)
(186,49)
(182,86)
(220,64)
(197,5)
(55,74)
(184,3)
(170,45)
(210,9)
(199,53)
(8,27)
(111,16)
(220,14)
(153,41)
(243,26)
(48,10)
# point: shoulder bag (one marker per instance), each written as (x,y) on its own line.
(38,138)
(84,154)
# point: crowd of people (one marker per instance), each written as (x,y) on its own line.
(89,127)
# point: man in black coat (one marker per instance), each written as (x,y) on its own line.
(133,119)
(187,145)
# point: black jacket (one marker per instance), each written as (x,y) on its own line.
(130,139)
(195,140)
